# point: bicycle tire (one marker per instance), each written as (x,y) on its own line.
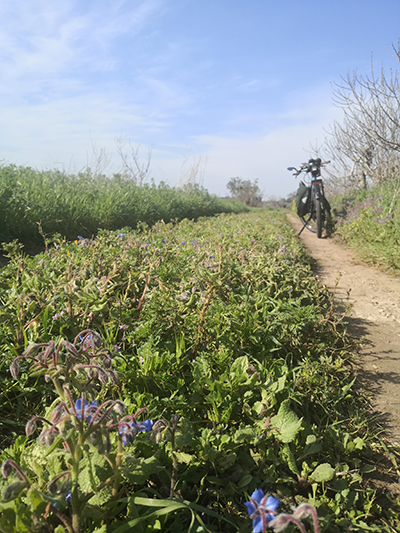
(310,225)
(328,217)
(318,217)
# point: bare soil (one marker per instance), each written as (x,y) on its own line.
(374,319)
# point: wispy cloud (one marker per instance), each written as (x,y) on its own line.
(47,43)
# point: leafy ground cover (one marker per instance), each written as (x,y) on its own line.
(34,202)
(180,369)
(370,223)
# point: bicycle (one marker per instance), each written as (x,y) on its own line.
(311,201)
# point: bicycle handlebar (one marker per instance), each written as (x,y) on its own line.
(305,168)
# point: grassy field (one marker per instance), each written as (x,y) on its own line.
(217,365)
(370,223)
(33,203)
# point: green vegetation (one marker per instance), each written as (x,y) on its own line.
(82,204)
(369,221)
(219,330)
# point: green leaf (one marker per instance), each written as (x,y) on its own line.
(323,472)
(279,385)
(238,369)
(36,500)
(313,446)
(286,425)
(184,457)
(245,480)
(290,459)
(246,434)
(168,506)
(94,470)
(138,470)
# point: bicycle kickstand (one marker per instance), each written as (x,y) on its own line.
(304,225)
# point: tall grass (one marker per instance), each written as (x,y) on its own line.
(369,222)
(81,204)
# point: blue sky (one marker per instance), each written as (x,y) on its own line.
(229,87)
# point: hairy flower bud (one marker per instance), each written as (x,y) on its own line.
(102,375)
(107,361)
(303,510)
(113,377)
(52,486)
(97,342)
(281,522)
(30,427)
(6,468)
(46,438)
(48,353)
(174,420)
(13,490)
(32,349)
(120,407)
(71,348)
(57,413)
(90,340)
(14,369)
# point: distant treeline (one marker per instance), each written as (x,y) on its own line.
(34,202)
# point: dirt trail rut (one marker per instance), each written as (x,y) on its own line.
(374,317)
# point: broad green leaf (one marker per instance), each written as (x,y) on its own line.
(279,385)
(94,470)
(238,369)
(36,500)
(286,425)
(323,472)
(138,470)
(226,460)
(246,434)
(184,457)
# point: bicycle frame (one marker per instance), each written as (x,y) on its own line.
(319,216)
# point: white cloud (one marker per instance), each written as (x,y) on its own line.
(46,43)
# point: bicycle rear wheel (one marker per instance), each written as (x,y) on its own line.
(318,217)
(327,216)
(309,224)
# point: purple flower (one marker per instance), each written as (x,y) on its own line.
(261,510)
(129,431)
(84,411)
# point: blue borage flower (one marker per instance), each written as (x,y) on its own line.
(86,408)
(129,431)
(261,510)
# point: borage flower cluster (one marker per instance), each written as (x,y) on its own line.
(75,422)
(70,362)
(262,510)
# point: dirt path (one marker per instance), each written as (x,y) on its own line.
(375,317)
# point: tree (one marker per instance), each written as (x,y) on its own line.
(365,146)
(246,191)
